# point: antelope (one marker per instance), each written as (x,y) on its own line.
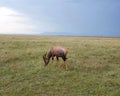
(56,51)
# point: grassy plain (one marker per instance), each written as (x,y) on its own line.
(94,66)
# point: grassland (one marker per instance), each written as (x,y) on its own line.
(94,66)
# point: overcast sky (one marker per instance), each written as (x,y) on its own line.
(60,17)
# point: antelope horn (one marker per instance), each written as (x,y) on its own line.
(46,54)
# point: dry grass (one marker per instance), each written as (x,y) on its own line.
(94,66)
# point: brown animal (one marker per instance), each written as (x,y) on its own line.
(56,51)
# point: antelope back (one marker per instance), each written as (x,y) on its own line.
(58,50)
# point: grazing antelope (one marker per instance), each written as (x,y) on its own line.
(56,51)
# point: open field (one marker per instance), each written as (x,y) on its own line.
(94,66)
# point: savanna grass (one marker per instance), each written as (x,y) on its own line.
(94,66)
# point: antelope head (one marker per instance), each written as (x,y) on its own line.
(46,60)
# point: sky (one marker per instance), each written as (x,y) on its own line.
(60,17)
